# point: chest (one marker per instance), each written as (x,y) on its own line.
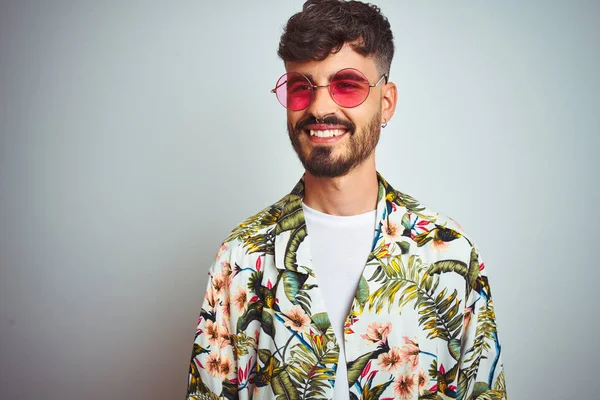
(397,320)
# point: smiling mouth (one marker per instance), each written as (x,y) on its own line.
(326,133)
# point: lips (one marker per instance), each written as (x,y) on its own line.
(323,127)
(327,133)
(325,136)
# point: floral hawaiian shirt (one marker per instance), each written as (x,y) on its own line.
(421,325)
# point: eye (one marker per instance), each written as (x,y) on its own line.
(346,85)
(298,87)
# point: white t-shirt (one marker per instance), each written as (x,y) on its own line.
(339,247)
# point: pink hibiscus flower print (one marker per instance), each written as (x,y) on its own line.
(405,385)
(410,352)
(392,232)
(423,381)
(377,332)
(297,319)
(240,299)
(390,361)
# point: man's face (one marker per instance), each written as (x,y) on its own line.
(356,129)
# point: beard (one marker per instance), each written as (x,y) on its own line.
(321,162)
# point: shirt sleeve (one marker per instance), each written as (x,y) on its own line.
(213,366)
(481,373)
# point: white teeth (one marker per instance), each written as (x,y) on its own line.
(326,133)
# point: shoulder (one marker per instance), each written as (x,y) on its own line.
(434,233)
(252,233)
(445,247)
(446,252)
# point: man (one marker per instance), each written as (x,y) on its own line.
(345,288)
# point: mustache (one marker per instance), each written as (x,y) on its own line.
(330,120)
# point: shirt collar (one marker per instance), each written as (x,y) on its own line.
(291,245)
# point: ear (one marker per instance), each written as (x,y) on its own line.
(389,96)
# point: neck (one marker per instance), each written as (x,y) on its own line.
(351,194)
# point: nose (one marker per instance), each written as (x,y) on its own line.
(322,104)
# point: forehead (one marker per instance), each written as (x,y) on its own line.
(320,71)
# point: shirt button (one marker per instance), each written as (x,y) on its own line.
(330,345)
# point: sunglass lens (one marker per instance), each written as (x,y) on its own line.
(349,88)
(294,91)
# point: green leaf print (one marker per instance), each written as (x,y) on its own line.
(479,388)
(473,270)
(454,348)
(470,273)
(404,246)
(296,238)
(491,395)
(449,266)
(374,393)
(241,342)
(264,372)
(441,315)
(406,220)
(482,391)
(463,385)
(267,324)
(292,283)
(356,367)
(252,313)
(321,321)
(198,350)
(247,230)
(362,292)
(500,384)
(402,281)
(283,387)
(484,336)
(264,355)
(292,217)
(427,395)
(260,243)
(310,370)
(229,391)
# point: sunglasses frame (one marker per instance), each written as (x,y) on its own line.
(328,86)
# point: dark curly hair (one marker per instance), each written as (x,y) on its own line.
(323,26)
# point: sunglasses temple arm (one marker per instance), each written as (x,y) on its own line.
(377,83)
(278,86)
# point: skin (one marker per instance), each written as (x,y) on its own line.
(355,192)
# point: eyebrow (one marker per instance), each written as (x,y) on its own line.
(347,75)
(351,75)
(312,78)
(294,79)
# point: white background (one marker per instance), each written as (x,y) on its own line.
(135,135)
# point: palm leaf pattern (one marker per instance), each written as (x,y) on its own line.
(308,368)
(422,324)
(248,231)
(439,313)
(484,336)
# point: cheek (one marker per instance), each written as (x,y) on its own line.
(293,117)
(365,115)
(359,119)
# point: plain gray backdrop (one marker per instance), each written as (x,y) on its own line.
(135,135)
